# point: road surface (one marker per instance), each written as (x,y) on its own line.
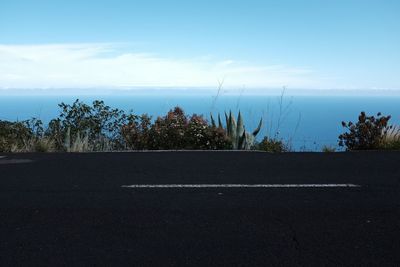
(200,209)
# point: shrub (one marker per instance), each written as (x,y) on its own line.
(328,149)
(200,135)
(14,135)
(173,131)
(97,127)
(35,145)
(136,132)
(43,145)
(169,132)
(272,145)
(368,133)
(98,122)
(25,136)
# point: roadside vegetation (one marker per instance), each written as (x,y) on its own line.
(272,145)
(370,133)
(328,149)
(80,127)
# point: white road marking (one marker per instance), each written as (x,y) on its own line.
(238,185)
(14,161)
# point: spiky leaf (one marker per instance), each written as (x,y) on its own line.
(241,141)
(227,124)
(257,130)
(240,125)
(219,121)
(212,121)
(232,130)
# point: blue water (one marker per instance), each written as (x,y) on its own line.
(308,122)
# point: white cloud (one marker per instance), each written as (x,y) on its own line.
(104,65)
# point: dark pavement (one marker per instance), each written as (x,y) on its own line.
(70,209)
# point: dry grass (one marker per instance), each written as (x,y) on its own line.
(43,144)
(391,140)
(393,135)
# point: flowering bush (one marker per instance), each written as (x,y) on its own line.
(169,132)
(174,131)
(200,135)
(97,127)
(136,132)
(367,133)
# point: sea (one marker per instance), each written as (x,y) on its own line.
(305,122)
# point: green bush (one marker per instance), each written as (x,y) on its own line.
(272,145)
(368,133)
(14,135)
(97,127)
(328,149)
(99,122)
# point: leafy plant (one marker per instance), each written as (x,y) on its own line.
(272,145)
(15,136)
(98,121)
(81,127)
(368,133)
(328,149)
(200,135)
(176,130)
(34,145)
(168,132)
(43,145)
(136,132)
(236,131)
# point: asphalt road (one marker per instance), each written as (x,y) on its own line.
(71,209)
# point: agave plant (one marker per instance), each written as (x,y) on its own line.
(236,131)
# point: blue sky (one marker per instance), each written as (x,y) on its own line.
(265,44)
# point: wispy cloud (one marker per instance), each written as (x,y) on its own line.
(106,65)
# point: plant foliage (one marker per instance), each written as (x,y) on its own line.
(366,134)
(236,131)
(272,145)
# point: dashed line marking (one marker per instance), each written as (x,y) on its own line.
(14,161)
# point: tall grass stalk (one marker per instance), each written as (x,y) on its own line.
(393,134)
(220,85)
(391,138)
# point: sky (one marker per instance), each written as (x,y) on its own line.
(309,44)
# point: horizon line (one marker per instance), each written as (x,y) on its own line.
(212,91)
